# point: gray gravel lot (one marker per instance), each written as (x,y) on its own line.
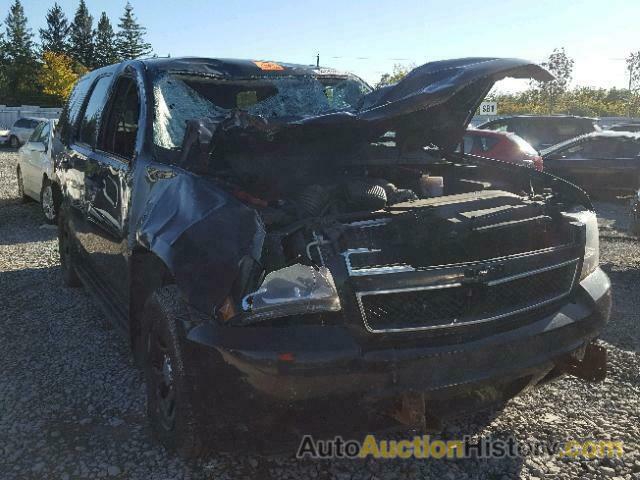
(72,403)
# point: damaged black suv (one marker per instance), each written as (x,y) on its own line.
(277,239)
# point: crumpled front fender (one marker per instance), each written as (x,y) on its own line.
(201,233)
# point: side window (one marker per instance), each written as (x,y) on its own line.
(93,111)
(593,149)
(33,123)
(498,126)
(21,123)
(628,149)
(35,136)
(69,117)
(44,134)
(118,135)
(486,143)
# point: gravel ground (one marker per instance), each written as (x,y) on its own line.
(72,404)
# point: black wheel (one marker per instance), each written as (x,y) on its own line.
(21,193)
(14,142)
(49,201)
(171,392)
(66,249)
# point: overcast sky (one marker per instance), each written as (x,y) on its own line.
(367,38)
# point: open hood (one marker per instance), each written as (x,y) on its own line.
(435,102)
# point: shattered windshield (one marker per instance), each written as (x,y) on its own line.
(179,98)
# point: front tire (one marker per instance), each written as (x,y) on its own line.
(171,396)
(14,142)
(49,201)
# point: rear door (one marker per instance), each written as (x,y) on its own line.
(106,186)
(81,166)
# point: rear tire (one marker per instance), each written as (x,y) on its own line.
(49,201)
(170,379)
(67,252)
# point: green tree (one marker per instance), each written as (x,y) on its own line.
(398,73)
(81,35)
(55,37)
(57,75)
(561,67)
(633,64)
(105,48)
(130,41)
(20,65)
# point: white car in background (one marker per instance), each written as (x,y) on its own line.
(35,170)
(21,130)
(4,135)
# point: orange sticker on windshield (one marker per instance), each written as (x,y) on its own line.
(268,65)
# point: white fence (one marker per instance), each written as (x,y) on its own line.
(8,115)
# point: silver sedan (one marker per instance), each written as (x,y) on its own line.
(35,170)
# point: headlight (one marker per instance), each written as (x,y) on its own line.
(592,245)
(294,290)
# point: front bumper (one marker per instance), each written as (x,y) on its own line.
(294,365)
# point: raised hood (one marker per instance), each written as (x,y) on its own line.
(432,105)
(435,102)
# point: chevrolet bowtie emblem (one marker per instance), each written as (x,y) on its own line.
(483,273)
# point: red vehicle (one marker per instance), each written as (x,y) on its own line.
(504,146)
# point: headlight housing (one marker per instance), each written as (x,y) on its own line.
(592,245)
(294,290)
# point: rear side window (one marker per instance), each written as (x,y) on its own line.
(35,136)
(93,111)
(69,117)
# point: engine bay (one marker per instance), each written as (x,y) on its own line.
(382,220)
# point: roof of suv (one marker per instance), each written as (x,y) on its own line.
(232,67)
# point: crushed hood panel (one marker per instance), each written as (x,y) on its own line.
(436,101)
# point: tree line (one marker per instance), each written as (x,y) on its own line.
(557,97)
(43,72)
